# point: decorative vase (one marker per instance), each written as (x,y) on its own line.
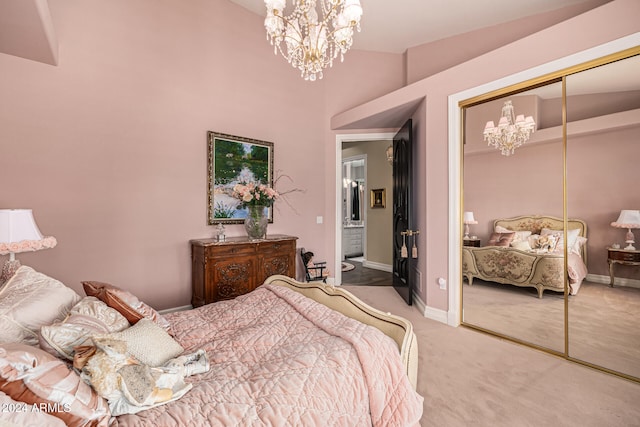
(256,222)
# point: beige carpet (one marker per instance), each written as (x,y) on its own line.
(472,379)
(601,320)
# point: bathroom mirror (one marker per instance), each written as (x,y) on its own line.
(353,206)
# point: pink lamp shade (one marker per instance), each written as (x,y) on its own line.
(19,233)
(628,219)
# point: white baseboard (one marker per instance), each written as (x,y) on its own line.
(377,266)
(620,281)
(428,312)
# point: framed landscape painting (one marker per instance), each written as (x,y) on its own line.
(232,160)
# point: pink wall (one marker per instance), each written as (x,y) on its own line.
(602,175)
(431,58)
(109,147)
(19,18)
(601,25)
(526,183)
(361,77)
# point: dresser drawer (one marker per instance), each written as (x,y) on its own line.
(629,256)
(273,247)
(230,250)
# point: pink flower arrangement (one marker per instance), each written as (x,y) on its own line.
(27,245)
(254,194)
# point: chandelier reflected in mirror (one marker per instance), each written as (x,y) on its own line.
(512,131)
(314,33)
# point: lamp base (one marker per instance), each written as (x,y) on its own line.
(8,270)
(630,247)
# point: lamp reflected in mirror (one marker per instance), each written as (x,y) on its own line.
(468,219)
(628,219)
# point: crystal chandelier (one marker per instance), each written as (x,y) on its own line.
(511,131)
(307,42)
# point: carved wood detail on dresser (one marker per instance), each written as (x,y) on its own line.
(225,270)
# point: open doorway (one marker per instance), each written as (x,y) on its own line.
(364,204)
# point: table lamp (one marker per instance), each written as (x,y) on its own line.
(19,233)
(628,219)
(468,219)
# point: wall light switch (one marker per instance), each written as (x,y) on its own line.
(442,282)
(319,220)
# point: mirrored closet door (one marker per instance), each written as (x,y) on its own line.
(513,193)
(603,172)
(548,214)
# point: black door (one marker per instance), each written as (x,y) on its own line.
(403,233)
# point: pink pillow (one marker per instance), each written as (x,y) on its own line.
(501,239)
(33,376)
(20,414)
(126,303)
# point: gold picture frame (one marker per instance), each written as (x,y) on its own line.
(378,198)
(233,159)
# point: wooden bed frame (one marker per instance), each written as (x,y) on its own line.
(396,327)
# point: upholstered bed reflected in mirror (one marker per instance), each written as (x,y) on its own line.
(506,271)
(526,275)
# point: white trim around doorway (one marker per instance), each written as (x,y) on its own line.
(340,138)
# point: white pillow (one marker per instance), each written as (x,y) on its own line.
(30,300)
(521,246)
(518,237)
(533,240)
(572,237)
(147,342)
(89,317)
(580,242)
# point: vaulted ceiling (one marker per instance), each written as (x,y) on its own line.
(27,29)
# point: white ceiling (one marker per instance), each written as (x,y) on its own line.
(395,25)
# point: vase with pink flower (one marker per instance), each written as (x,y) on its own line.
(257,198)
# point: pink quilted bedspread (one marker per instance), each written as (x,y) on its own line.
(281,359)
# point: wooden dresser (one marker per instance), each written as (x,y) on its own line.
(225,270)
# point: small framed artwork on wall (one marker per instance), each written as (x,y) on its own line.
(378,198)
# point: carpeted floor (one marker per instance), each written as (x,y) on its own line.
(601,320)
(472,379)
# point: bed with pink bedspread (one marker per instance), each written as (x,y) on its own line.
(280,358)
(529,251)
(286,354)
